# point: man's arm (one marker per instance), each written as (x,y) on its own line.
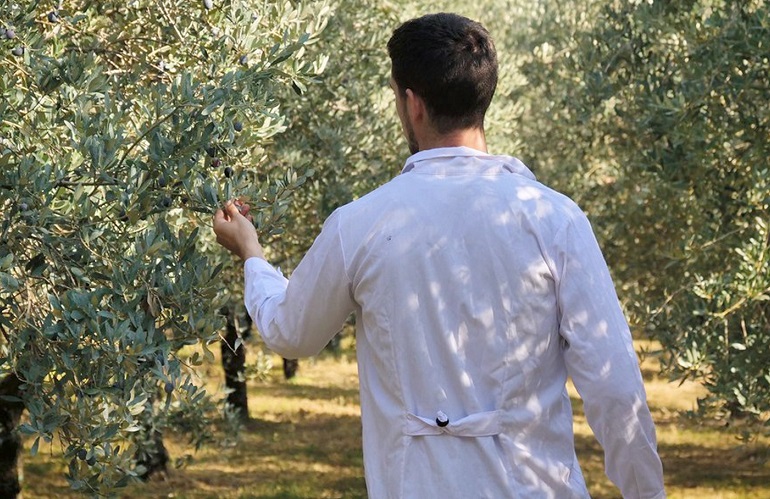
(602,363)
(295,317)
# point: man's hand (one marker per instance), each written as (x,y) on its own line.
(235,231)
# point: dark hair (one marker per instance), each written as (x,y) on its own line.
(451,63)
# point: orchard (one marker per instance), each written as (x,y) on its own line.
(125,124)
(655,117)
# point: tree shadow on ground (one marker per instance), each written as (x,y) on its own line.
(305,456)
(298,389)
(686,466)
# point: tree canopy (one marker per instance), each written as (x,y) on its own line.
(124,126)
(654,115)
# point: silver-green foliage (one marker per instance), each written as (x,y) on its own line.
(344,127)
(118,120)
(655,116)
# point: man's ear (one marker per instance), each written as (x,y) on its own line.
(415,107)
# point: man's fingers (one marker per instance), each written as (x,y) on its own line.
(219,217)
(232,209)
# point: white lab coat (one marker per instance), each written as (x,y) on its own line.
(477,291)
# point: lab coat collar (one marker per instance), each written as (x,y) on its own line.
(508,163)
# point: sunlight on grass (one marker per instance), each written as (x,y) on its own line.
(304,441)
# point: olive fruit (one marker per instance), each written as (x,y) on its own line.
(228,172)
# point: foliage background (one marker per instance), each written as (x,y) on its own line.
(654,116)
(124,126)
(119,119)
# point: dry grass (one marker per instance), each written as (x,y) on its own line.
(304,442)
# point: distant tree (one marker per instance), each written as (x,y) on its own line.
(343,127)
(655,116)
(123,126)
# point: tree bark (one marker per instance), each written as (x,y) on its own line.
(152,454)
(290,368)
(234,362)
(10,441)
(334,344)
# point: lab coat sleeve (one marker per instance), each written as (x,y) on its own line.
(601,361)
(298,316)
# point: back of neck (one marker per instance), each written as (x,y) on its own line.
(469,137)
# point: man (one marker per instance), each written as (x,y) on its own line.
(477,292)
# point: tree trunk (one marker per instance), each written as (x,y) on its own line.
(10,441)
(290,367)
(335,344)
(234,362)
(152,454)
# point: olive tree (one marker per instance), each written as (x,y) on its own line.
(655,116)
(343,127)
(123,126)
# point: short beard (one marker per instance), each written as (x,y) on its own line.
(411,140)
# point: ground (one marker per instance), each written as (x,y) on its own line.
(304,441)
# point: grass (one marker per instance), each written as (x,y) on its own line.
(304,441)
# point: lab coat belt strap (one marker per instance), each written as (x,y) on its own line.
(480,424)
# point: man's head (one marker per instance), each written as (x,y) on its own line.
(448,61)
